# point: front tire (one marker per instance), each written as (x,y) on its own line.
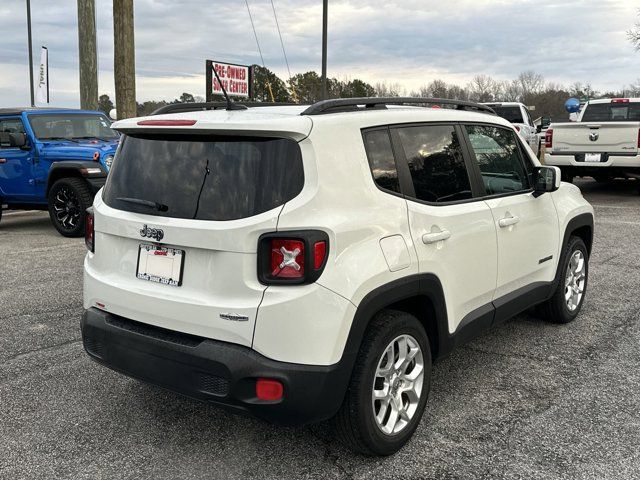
(69,198)
(389,386)
(568,297)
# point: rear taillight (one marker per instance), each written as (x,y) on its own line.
(89,230)
(292,257)
(548,138)
(287,258)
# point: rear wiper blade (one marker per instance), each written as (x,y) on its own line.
(145,203)
(59,138)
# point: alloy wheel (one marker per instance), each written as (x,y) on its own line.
(575,280)
(397,386)
(66,207)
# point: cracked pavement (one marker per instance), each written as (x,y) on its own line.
(525,400)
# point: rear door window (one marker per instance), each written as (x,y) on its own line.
(381,160)
(436,163)
(204,177)
(498,155)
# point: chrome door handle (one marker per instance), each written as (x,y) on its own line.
(434,237)
(3,160)
(508,221)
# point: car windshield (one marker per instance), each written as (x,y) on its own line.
(72,126)
(511,114)
(612,112)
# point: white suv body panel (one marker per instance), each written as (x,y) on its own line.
(219,272)
(309,324)
(522,247)
(466,263)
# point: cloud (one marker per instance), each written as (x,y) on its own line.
(410,42)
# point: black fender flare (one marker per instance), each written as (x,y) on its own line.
(72,168)
(579,221)
(426,285)
(582,220)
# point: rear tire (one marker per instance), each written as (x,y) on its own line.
(69,198)
(568,297)
(382,408)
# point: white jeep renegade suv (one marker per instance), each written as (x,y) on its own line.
(308,262)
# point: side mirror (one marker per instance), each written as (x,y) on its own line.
(18,140)
(546,179)
(538,128)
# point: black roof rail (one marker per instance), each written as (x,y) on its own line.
(199,106)
(364,103)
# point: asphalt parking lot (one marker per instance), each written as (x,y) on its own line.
(526,400)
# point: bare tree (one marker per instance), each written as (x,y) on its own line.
(634,89)
(634,34)
(510,91)
(531,83)
(457,92)
(482,88)
(384,89)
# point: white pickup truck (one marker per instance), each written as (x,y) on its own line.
(603,143)
(518,115)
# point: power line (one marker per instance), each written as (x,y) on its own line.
(254,33)
(281,42)
(259,49)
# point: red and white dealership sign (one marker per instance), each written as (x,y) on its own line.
(236,79)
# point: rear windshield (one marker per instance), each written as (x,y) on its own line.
(611,112)
(205,178)
(511,114)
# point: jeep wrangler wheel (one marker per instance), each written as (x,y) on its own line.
(389,385)
(68,200)
(566,302)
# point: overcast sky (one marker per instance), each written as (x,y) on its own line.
(407,41)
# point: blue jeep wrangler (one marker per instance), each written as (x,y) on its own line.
(56,159)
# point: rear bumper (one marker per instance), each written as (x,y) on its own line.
(212,371)
(612,161)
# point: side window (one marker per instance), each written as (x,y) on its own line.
(436,163)
(9,125)
(381,160)
(498,155)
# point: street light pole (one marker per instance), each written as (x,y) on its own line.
(33,103)
(325,7)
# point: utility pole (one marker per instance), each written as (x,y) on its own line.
(33,102)
(124,58)
(325,8)
(88,54)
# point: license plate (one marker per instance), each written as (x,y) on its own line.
(592,157)
(160,264)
